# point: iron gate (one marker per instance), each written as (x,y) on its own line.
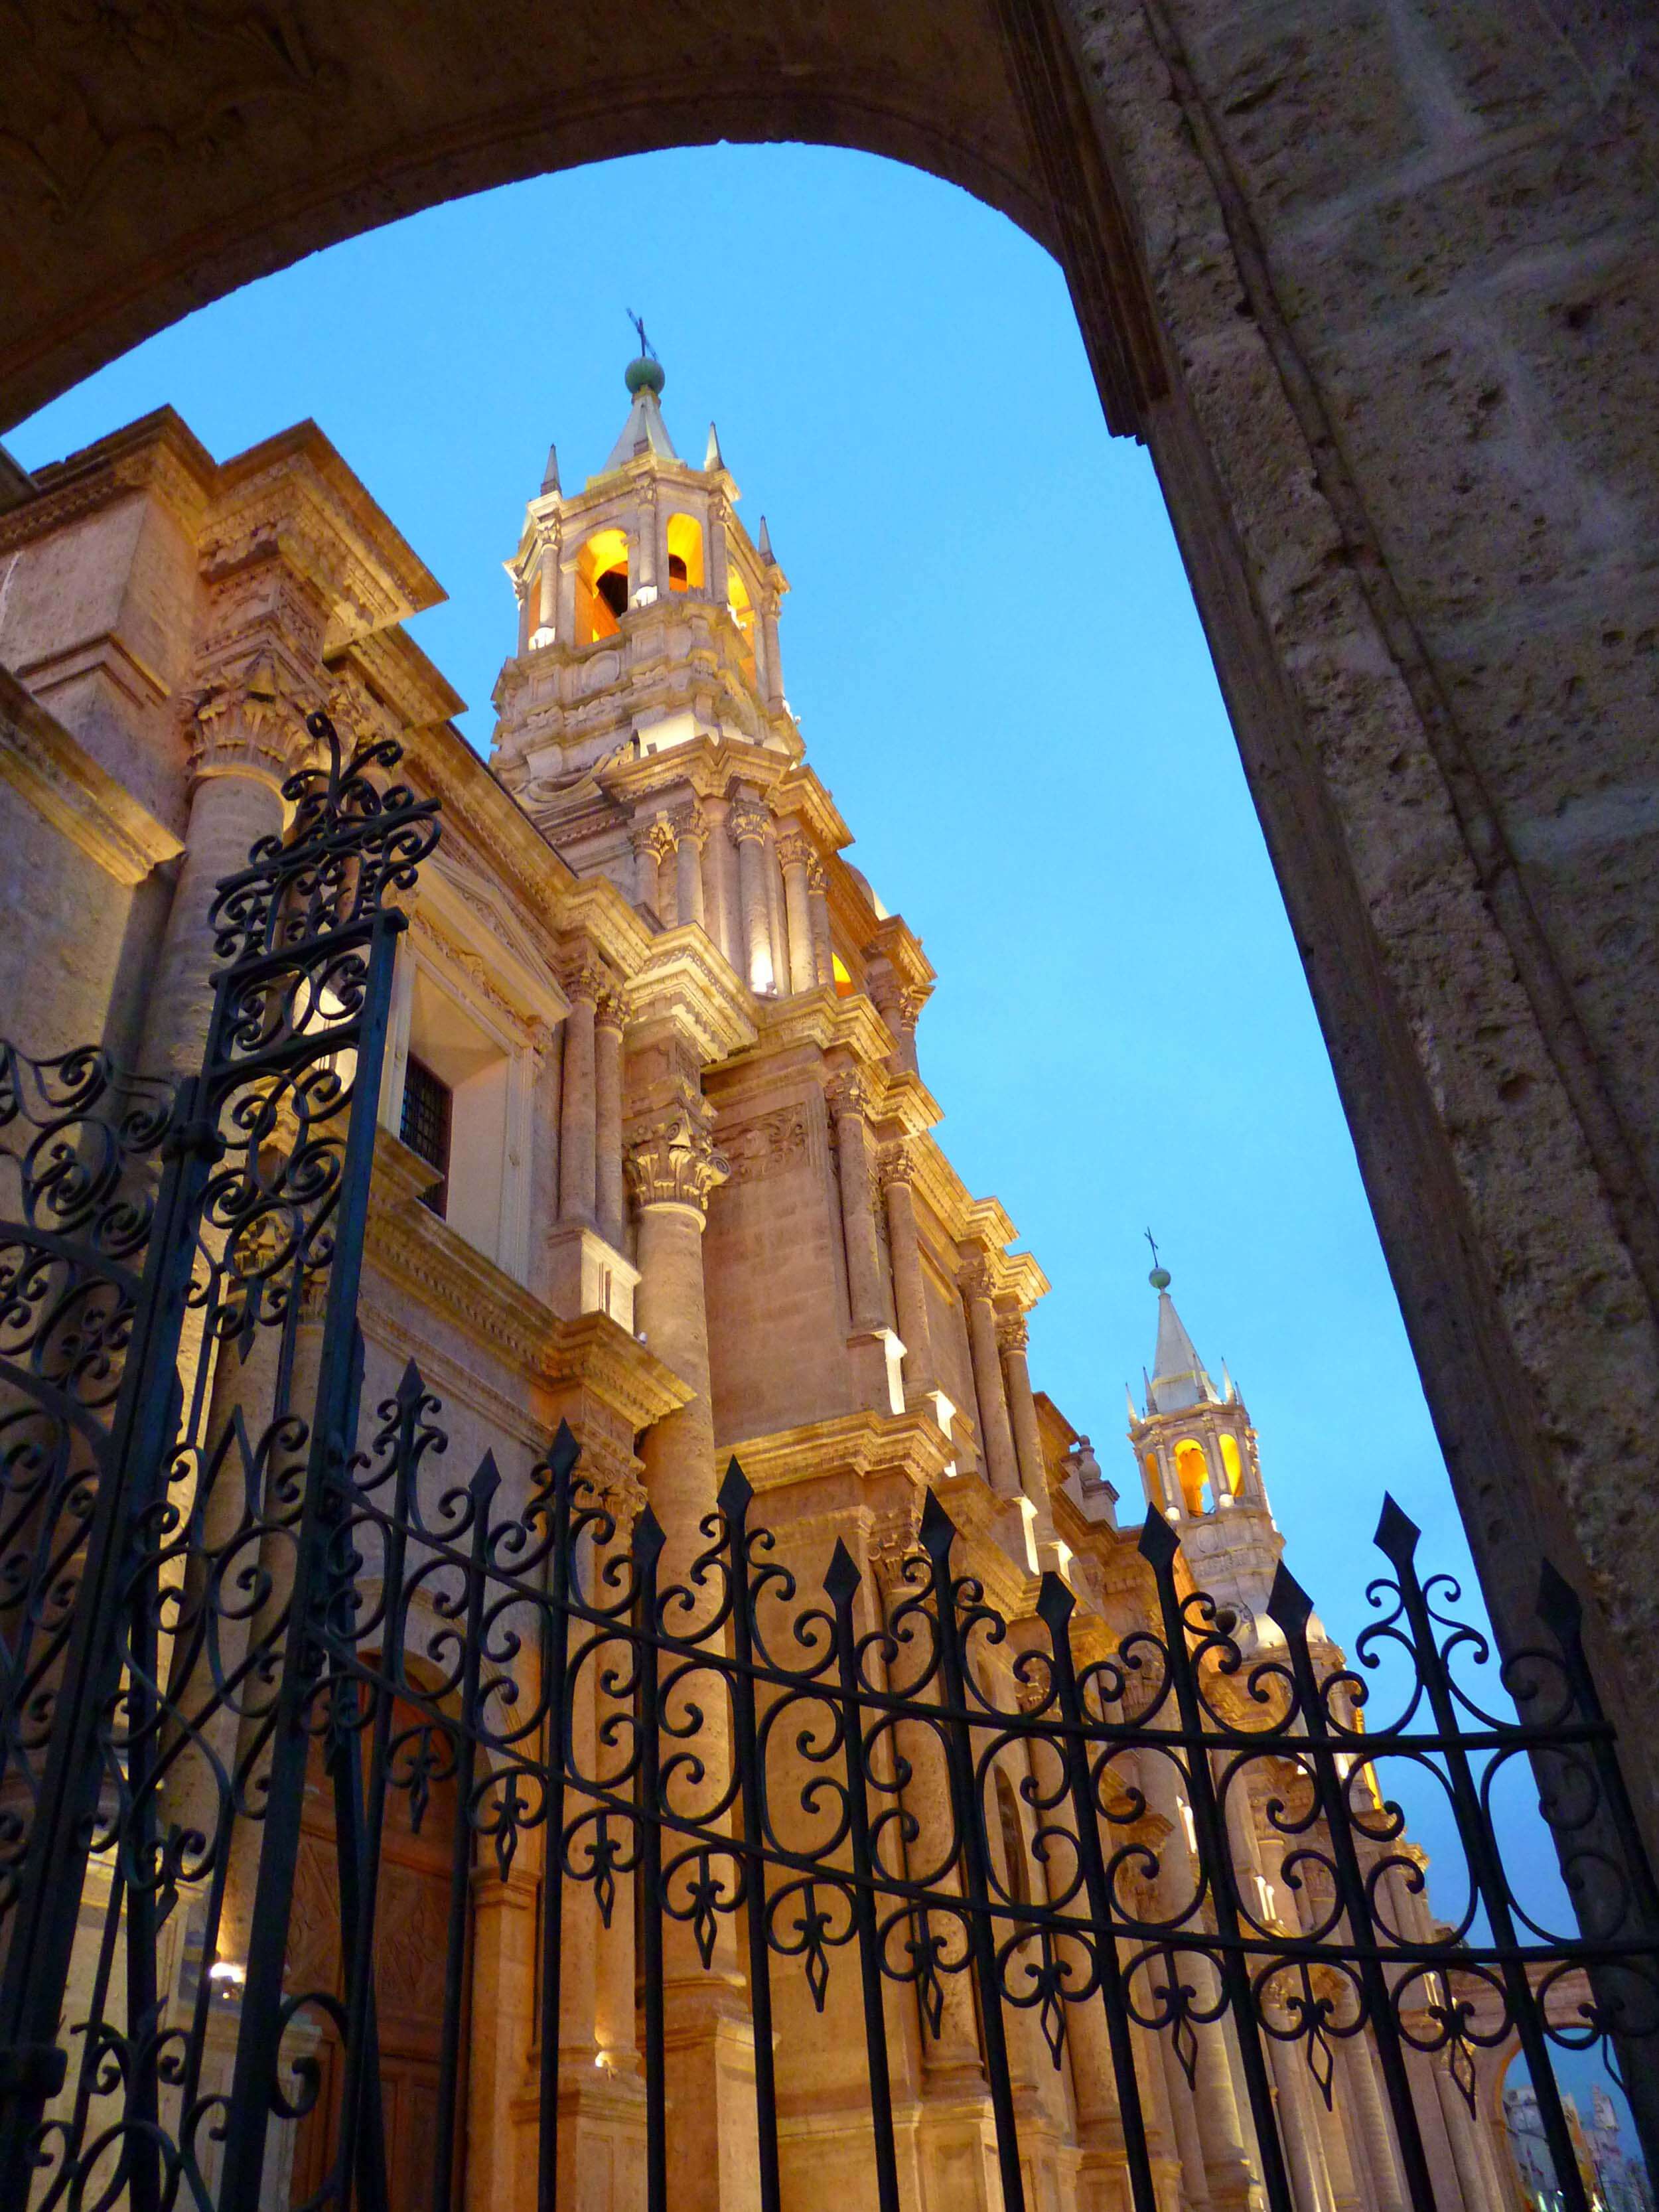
(204,1616)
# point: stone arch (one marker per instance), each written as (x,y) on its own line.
(1393,657)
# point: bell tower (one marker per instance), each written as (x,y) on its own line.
(643,721)
(1199,1467)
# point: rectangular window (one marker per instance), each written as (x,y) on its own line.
(427,1103)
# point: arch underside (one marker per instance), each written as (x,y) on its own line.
(136,186)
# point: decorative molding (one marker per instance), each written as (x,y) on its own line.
(772,1144)
(1014,1334)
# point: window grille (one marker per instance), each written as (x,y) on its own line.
(425,1126)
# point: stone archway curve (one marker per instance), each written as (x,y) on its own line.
(1413,495)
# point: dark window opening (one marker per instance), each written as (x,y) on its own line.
(679,579)
(612,588)
(425,1126)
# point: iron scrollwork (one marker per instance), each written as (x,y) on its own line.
(248,1655)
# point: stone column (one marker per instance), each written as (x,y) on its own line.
(1013,1334)
(671,1168)
(642,846)
(777,925)
(688,866)
(719,898)
(900,1006)
(547,585)
(794,853)
(714,558)
(1357,2064)
(770,657)
(663,847)
(896,1168)
(608,1118)
(247,738)
(578,1109)
(824,956)
(521,593)
(643,576)
(1227,2167)
(996,1438)
(749,828)
(863,1291)
(1465,2151)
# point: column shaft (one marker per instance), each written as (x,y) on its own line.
(802,970)
(688,872)
(717,893)
(756,937)
(579,1113)
(823,957)
(228,813)
(608,1119)
(869,1308)
(910,1284)
(996,1438)
(1022,1415)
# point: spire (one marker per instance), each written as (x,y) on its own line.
(712,458)
(764,544)
(645,431)
(550,478)
(1178,1377)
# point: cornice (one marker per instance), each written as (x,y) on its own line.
(159,453)
(862,1445)
(302,463)
(60,780)
(801,792)
(827,1022)
(412,684)
(686,981)
(895,941)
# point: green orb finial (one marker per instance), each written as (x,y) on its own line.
(644,375)
(1159,1278)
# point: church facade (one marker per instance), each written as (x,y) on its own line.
(656,1156)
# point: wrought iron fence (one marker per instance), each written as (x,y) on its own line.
(217,1610)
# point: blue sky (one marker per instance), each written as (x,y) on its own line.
(999,672)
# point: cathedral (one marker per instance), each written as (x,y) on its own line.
(655,1157)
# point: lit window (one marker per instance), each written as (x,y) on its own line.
(428,1106)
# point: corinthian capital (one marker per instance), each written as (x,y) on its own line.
(794,851)
(897,1162)
(687,824)
(848,1093)
(673,1162)
(1012,1333)
(975,1280)
(747,820)
(583,979)
(249,719)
